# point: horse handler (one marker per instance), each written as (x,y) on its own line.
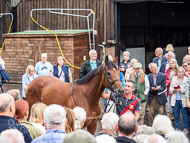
(141,89)
(128,102)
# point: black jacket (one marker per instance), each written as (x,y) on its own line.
(86,68)
(124,140)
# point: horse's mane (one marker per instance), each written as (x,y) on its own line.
(94,72)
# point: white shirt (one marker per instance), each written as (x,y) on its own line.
(147,85)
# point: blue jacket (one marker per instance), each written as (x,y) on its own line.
(4,76)
(7,122)
(65,69)
(162,67)
(122,79)
(25,82)
(161,81)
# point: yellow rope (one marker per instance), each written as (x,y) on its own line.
(8,33)
(57,43)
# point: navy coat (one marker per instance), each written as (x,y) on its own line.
(162,68)
(7,122)
(161,81)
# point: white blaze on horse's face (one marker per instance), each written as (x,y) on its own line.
(114,69)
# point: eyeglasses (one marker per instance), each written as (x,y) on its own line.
(185,66)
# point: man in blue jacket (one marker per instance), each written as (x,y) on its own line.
(7,112)
(160,59)
(156,93)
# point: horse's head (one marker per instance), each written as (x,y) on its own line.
(111,77)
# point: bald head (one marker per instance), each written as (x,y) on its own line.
(155,138)
(159,52)
(127,123)
(133,61)
(7,105)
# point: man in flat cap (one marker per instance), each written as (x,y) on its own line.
(141,89)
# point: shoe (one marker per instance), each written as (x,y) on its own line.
(177,129)
(185,131)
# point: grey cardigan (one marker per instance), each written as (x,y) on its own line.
(173,84)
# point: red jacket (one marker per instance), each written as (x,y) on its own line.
(167,73)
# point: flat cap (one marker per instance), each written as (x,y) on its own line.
(137,66)
(79,136)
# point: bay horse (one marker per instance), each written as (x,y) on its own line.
(86,92)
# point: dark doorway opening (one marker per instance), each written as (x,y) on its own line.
(152,24)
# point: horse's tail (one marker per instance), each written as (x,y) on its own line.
(33,91)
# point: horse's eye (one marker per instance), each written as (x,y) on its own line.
(108,73)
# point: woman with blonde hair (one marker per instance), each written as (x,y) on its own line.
(27,78)
(70,115)
(36,116)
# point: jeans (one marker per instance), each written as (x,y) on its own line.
(105,103)
(184,111)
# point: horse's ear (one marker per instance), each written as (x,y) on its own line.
(106,60)
(115,60)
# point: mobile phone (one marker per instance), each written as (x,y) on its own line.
(154,86)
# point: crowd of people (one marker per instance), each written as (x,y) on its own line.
(165,90)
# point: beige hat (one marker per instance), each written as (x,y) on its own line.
(137,65)
(169,47)
(79,136)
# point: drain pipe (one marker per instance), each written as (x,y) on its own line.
(104,52)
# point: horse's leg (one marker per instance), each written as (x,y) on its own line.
(92,128)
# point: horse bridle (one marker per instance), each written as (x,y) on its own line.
(109,83)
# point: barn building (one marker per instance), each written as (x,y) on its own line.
(138,26)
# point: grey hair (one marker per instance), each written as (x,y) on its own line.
(176,137)
(104,138)
(6,103)
(162,124)
(80,114)
(132,81)
(15,94)
(54,116)
(150,65)
(127,123)
(90,52)
(11,136)
(154,138)
(60,57)
(173,60)
(172,53)
(126,53)
(160,50)
(43,54)
(140,138)
(133,59)
(109,120)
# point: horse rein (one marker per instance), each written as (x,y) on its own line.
(110,85)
